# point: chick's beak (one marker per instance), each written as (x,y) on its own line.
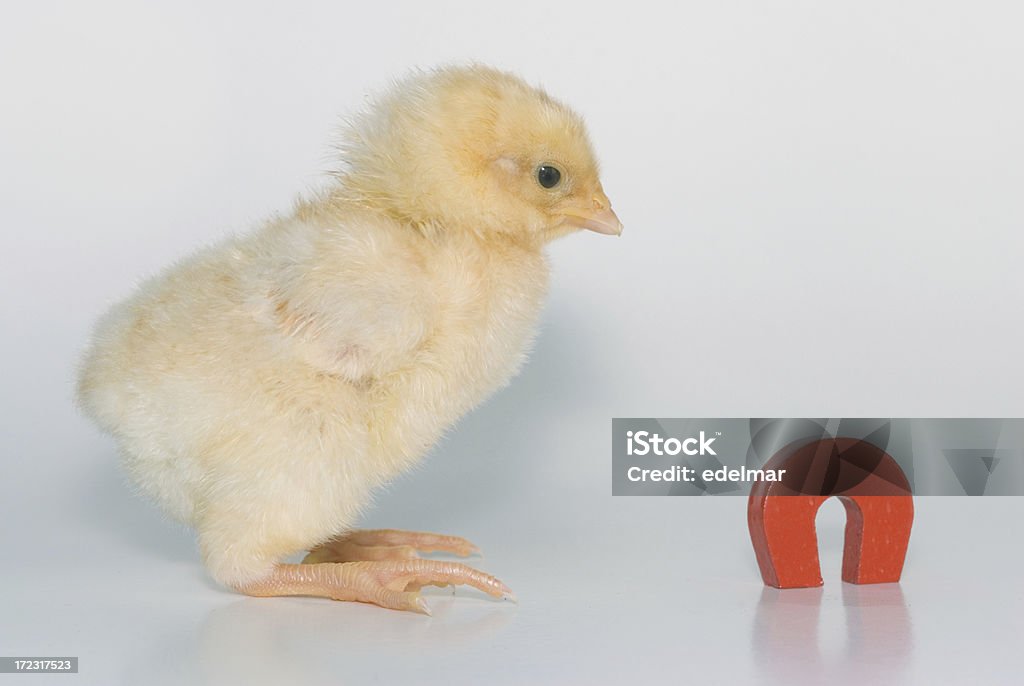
(599,217)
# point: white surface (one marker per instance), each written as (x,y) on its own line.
(823,218)
(610,591)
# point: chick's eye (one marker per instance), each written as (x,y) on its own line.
(548,176)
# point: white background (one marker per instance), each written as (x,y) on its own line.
(823,217)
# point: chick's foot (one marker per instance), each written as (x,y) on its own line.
(393,584)
(387,544)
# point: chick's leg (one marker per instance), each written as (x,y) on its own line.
(388,583)
(387,544)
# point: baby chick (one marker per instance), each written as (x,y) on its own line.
(262,389)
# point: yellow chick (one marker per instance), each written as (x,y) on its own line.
(263,388)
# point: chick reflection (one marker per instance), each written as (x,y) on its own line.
(309,641)
(786,641)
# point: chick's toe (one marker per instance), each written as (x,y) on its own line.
(345,551)
(387,544)
(391,584)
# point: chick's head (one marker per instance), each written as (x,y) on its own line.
(479,150)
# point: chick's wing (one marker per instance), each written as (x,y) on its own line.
(355,305)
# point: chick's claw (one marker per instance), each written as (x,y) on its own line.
(392,584)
